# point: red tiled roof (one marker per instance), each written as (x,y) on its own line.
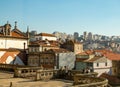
(45,34)
(88,52)
(17,33)
(6,55)
(12,53)
(43,43)
(108,54)
(93,59)
(14,34)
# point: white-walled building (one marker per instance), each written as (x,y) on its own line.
(45,36)
(100,61)
(100,64)
(12,38)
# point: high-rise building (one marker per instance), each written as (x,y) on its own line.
(33,33)
(76,35)
(85,35)
(90,36)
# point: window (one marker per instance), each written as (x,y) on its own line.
(46,60)
(51,61)
(106,64)
(97,64)
(41,60)
(114,70)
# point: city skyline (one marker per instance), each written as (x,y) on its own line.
(69,16)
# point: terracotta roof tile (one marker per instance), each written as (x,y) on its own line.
(88,52)
(93,59)
(107,53)
(6,55)
(45,43)
(11,53)
(45,34)
(17,33)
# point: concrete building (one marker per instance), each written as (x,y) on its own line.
(76,35)
(90,36)
(59,35)
(85,35)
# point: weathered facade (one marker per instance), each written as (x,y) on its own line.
(73,46)
(95,61)
(53,58)
(43,45)
(44,59)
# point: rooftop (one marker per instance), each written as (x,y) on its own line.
(106,53)
(45,34)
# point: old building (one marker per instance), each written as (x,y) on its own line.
(12,38)
(63,58)
(73,46)
(53,58)
(44,36)
(80,57)
(44,59)
(13,44)
(43,45)
(101,61)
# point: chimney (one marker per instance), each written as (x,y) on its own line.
(24,46)
(15,25)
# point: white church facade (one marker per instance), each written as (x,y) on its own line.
(13,44)
(12,38)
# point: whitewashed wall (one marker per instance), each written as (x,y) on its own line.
(102,68)
(102,64)
(6,43)
(45,37)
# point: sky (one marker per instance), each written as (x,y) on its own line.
(69,16)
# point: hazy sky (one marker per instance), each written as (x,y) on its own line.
(97,16)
